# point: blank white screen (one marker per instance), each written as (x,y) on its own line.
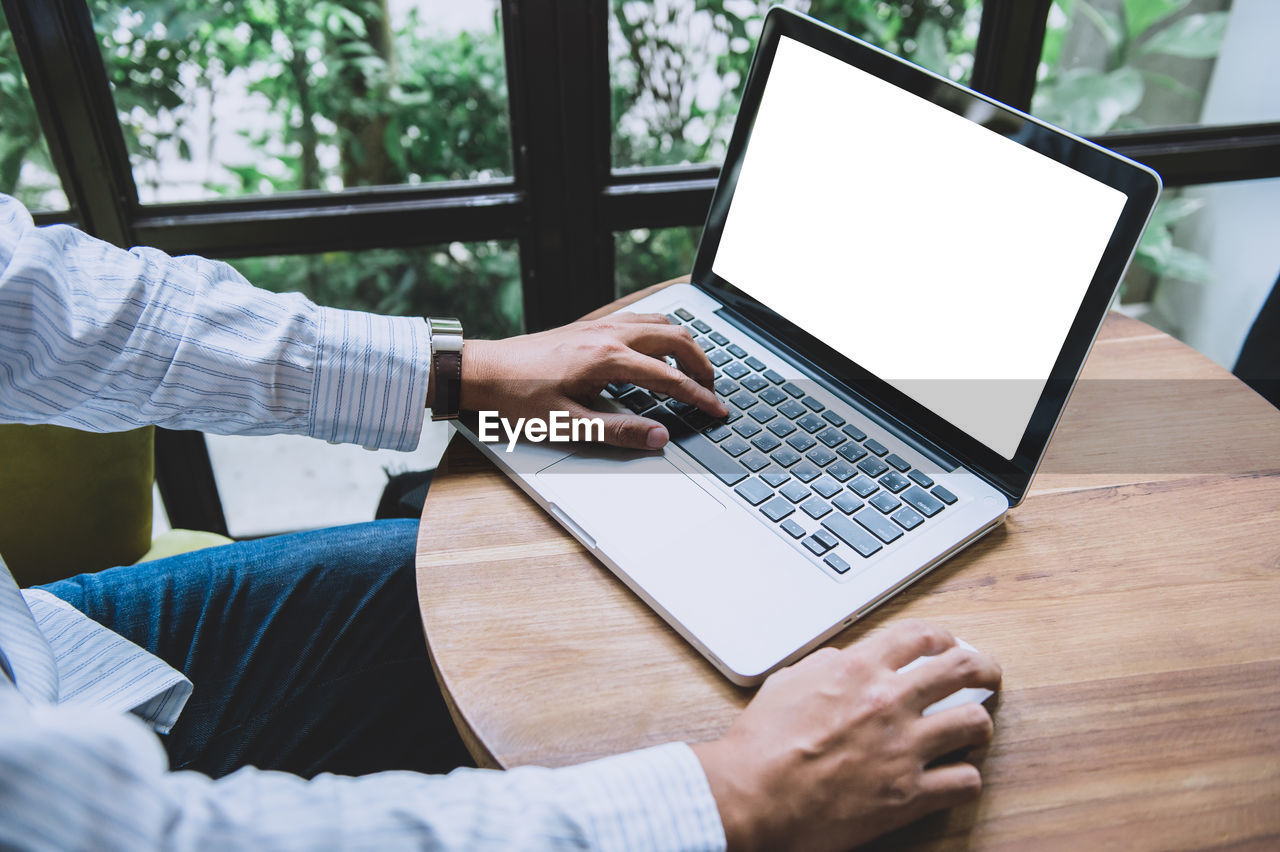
(944,258)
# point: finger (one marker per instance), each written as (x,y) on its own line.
(658,375)
(903,641)
(629,317)
(632,431)
(948,786)
(966,726)
(674,340)
(955,668)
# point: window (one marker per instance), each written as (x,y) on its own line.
(410,146)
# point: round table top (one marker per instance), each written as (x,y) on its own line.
(1133,600)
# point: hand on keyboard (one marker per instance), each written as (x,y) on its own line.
(564,369)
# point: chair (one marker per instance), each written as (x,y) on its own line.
(73,502)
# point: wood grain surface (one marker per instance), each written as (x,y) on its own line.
(1133,600)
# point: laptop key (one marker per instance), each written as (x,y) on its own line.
(898,462)
(754,383)
(885,502)
(754,491)
(774,376)
(782,428)
(719,338)
(735,447)
(813,403)
(792,409)
(718,432)
(847,503)
(772,395)
(793,529)
(726,386)
(805,472)
(833,418)
(754,461)
(836,563)
(701,326)
(774,477)
(811,423)
(894,481)
(679,407)
(684,314)
(826,487)
(922,501)
(826,538)
(842,471)
(863,487)
(719,357)
(944,495)
(817,548)
(704,344)
(618,389)
(698,420)
(793,389)
(709,455)
(786,457)
(756,364)
(736,370)
(854,432)
(736,351)
(639,401)
(815,508)
(743,399)
(795,492)
(852,452)
(766,442)
(746,428)
(919,477)
(908,518)
(876,447)
(801,441)
(777,509)
(831,436)
(872,466)
(820,456)
(762,414)
(852,534)
(880,526)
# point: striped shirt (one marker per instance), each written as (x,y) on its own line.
(102,339)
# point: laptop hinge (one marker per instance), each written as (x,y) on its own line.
(929,450)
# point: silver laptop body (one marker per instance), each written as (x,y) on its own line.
(891,398)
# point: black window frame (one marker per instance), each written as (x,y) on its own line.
(563,203)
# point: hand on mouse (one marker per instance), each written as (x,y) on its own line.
(834,750)
(565,368)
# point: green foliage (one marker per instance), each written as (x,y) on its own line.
(645,256)
(21,141)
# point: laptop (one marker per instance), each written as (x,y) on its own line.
(898,283)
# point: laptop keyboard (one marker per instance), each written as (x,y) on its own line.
(817,478)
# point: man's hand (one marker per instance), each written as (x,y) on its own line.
(565,368)
(833,751)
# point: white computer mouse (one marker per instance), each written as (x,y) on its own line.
(961,696)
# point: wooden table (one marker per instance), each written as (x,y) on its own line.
(1133,600)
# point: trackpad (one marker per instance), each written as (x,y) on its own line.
(620,493)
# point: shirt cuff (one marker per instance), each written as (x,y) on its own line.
(657,798)
(370,379)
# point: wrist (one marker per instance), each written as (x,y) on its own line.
(731,799)
(476,376)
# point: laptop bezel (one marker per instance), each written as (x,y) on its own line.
(1140,184)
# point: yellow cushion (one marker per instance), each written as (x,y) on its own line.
(73,501)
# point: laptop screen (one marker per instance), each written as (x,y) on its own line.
(945,259)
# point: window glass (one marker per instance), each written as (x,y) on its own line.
(26,172)
(1207,263)
(478,282)
(677,67)
(1111,66)
(244,98)
(645,256)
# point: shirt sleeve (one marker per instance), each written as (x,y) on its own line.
(102,339)
(72,779)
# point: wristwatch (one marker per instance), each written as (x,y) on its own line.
(446,367)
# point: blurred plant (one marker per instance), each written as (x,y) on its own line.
(26,171)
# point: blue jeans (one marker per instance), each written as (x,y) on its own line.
(306,651)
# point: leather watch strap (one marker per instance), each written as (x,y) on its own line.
(446,367)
